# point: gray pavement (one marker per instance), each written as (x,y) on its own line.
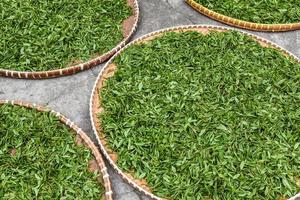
(70,95)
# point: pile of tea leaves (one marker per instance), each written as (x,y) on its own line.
(213,116)
(51,34)
(266,12)
(40,160)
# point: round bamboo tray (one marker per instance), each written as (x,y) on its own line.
(79,133)
(131,26)
(108,71)
(240,23)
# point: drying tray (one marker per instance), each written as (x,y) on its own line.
(107,72)
(82,135)
(240,23)
(127,34)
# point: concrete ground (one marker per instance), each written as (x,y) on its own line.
(70,95)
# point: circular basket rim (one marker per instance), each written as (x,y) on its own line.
(82,66)
(88,142)
(101,143)
(241,23)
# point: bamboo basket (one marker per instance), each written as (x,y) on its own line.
(107,72)
(83,66)
(240,23)
(85,138)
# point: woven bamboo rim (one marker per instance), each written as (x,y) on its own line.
(85,138)
(79,67)
(240,23)
(106,72)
